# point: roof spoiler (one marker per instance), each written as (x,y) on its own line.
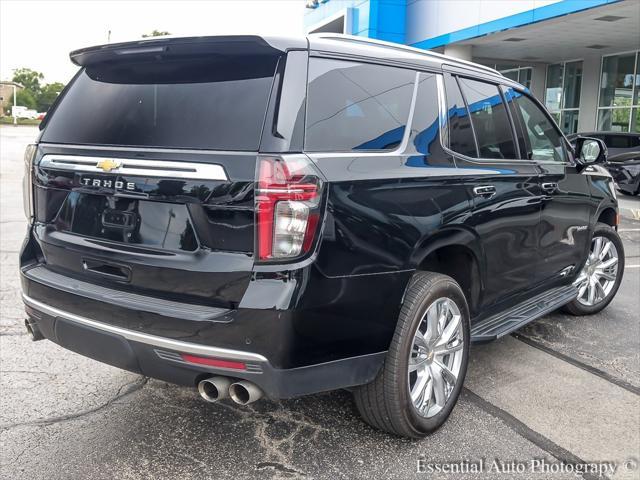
(165,47)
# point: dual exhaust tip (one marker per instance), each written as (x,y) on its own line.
(211,389)
(242,392)
(33,331)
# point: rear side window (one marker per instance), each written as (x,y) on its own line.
(621,141)
(491,123)
(461,138)
(354,106)
(425,125)
(616,141)
(217,102)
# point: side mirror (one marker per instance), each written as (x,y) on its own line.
(590,150)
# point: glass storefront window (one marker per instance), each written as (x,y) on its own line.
(617,80)
(524,77)
(635,120)
(569,121)
(619,103)
(572,85)
(636,91)
(553,89)
(614,119)
(511,74)
(517,73)
(502,67)
(562,94)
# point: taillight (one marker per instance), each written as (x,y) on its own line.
(27,181)
(288,207)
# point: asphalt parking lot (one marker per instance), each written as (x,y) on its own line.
(562,389)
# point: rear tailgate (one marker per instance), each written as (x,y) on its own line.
(144,177)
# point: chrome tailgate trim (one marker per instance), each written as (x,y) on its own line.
(134,167)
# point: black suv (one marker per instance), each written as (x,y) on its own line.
(268,216)
(624,158)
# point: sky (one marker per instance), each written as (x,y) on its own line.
(40,34)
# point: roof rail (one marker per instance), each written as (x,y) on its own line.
(405,48)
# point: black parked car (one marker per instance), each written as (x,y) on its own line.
(625,170)
(268,216)
(624,158)
(616,142)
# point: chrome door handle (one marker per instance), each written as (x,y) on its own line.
(550,187)
(485,191)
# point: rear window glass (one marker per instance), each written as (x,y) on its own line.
(209,103)
(354,106)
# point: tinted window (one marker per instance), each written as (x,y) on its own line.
(621,141)
(460,133)
(490,120)
(521,136)
(425,126)
(613,141)
(544,142)
(353,106)
(215,103)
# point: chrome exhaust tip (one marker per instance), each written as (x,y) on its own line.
(244,392)
(213,389)
(33,331)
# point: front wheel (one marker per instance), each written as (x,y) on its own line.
(420,381)
(601,275)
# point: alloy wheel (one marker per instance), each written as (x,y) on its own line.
(436,357)
(598,276)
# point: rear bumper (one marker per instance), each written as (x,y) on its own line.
(160,357)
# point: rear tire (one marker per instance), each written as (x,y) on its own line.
(599,275)
(430,347)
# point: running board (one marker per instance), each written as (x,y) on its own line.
(506,322)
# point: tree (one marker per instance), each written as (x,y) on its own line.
(156,33)
(29,79)
(47,95)
(25,98)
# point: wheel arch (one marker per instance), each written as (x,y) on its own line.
(608,216)
(458,254)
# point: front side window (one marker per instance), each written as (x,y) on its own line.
(490,120)
(355,106)
(542,139)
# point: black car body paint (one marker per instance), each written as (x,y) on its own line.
(113,273)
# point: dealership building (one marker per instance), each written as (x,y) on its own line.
(581,57)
